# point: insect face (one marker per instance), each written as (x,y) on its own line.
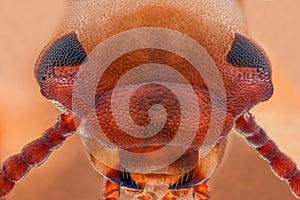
(156,88)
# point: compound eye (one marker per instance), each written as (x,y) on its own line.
(64,51)
(246,53)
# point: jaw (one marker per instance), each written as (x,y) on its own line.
(164,181)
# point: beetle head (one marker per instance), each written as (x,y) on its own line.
(216,26)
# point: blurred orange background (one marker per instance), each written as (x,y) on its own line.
(27,26)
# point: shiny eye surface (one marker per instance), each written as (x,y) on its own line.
(64,51)
(245,53)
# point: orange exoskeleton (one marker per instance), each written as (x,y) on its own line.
(153,88)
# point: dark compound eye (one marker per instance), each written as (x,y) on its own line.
(65,51)
(245,53)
